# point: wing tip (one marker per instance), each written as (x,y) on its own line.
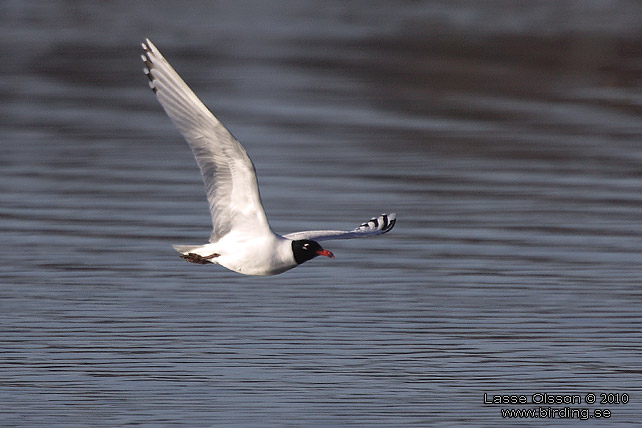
(392,220)
(148,45)
(149,48)
(383,224)
(389,221)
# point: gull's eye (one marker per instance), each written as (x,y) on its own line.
(306,246)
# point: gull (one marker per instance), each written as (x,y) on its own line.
(242,239)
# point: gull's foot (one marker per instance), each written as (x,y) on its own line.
(197,258)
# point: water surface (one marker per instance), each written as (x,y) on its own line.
(509,147)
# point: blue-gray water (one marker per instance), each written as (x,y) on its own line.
(506,136)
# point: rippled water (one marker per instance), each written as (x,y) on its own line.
(509,147)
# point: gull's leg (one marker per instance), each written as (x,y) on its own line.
(197,258)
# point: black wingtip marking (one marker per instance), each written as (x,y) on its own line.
(390,225)
(384,223)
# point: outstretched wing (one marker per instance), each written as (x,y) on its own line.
(375,226)
(228,172)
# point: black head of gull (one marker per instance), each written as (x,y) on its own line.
(305,250)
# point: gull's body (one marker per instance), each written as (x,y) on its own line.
(242,239)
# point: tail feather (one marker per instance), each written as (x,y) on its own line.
(185,249)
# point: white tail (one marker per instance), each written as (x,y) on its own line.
(185,249)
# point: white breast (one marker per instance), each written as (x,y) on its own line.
(267,255)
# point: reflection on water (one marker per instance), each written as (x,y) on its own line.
(511,153)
